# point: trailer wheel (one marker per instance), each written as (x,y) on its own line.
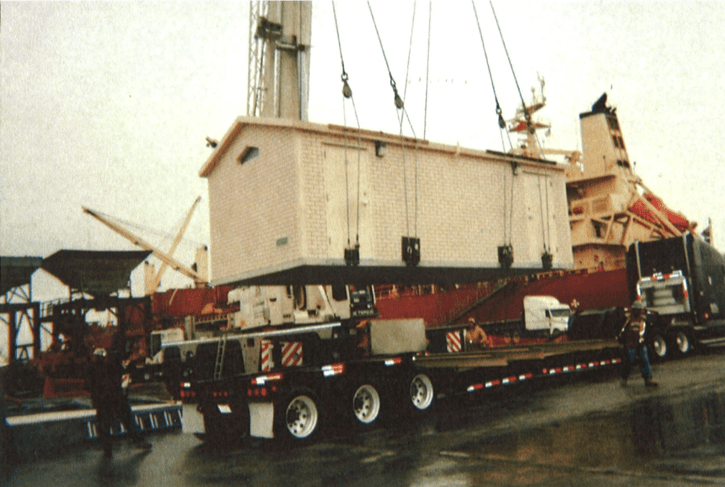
(659,346)
(366,404)
(421,392)
(683,343)
(299,416)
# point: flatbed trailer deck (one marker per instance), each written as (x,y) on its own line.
(294,403)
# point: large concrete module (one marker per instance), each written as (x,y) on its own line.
(283,199)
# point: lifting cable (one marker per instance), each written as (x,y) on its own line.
(427,71)
(400,123)
(545,230)
(163,236)
(530,124)
(347,93)
(499,112)
(508,209)
(508,205)
(407,66)
(400,105)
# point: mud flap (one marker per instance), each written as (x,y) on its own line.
(261,419)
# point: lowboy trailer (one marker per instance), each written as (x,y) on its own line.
(377,368)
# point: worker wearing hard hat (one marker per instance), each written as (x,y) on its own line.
(632,336)
(109,399)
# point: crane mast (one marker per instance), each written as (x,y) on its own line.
(257,46)
(279,59)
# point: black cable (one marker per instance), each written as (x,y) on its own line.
(501,122)
(527,115)
(427,71)
(400,105)
(407,66)
(398,100)
(347,93)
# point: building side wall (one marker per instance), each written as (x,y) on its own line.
(303,189)
(253,207)
(313,199)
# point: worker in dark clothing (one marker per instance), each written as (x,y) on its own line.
(632,337)
(110,401)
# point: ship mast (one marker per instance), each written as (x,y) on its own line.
(279,59)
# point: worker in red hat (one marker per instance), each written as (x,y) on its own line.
(632,337)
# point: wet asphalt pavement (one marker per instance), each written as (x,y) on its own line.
(589,432)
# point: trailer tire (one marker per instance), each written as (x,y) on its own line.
(299,416)
(682,342)
(366,404)
(422,393)
(660,348)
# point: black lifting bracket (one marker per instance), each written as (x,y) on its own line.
(506,256)
(352,255)
(411,251)
(547,260)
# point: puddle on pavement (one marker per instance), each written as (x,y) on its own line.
(676,435)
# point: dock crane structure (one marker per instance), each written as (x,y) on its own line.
(197,272)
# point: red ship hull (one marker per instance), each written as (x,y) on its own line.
(488,302)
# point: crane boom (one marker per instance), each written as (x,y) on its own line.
(175,243)
(138,241)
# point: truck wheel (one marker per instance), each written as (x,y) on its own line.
(683,343)
(299,416)
(366,404)
(659,346)
(421,392)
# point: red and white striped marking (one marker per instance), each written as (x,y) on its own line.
(291,354)
(266,356)
(263,379)
(334,369)
(500,382)
(581,367)
(393,361)
(554,371)
(453,341)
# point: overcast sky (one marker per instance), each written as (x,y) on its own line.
(107,105)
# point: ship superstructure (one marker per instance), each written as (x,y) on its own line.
(609,205)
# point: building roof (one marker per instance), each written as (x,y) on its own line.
(94,272)
(16,271)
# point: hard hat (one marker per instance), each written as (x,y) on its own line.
(638,305)
(99,352)
(471,320)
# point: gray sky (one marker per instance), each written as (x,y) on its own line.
(107,105)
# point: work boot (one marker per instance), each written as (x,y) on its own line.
(650,383)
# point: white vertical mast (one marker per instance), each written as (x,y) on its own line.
(279,59)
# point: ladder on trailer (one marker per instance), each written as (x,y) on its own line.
(219,364)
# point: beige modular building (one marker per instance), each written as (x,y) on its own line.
(287,198)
